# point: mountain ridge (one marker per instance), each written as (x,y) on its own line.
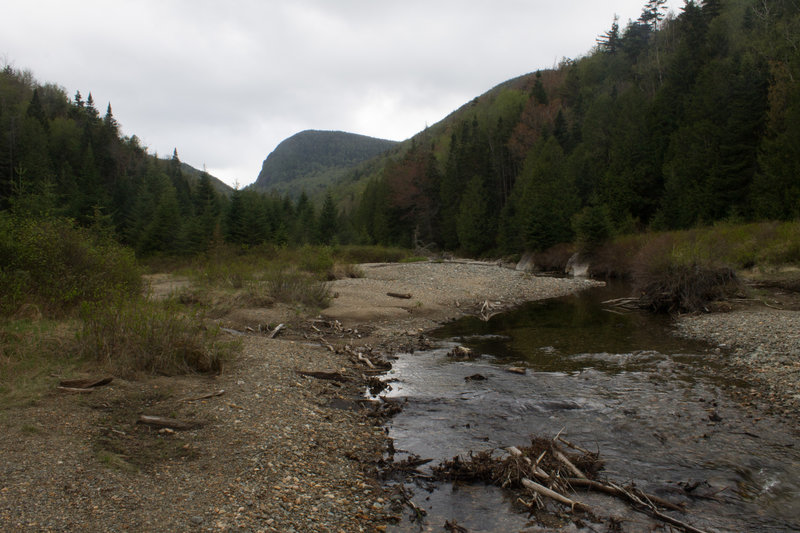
(312,159)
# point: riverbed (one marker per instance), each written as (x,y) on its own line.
(660,410)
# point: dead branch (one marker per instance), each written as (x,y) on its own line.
(544,491)
(331,376)
(403,296)
(274,332)
(365,360)
(164,422)
(574,469)
(613,490)
(205,396)
(651,509)
(76,390)
(571,445)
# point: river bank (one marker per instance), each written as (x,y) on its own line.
(265,448)
(764,348)
(270,449)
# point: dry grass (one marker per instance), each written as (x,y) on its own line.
(137,335)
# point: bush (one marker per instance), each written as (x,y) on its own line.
(672,274)
(56,266)
(293,287)
(371,254)
(136,334)
(317,260)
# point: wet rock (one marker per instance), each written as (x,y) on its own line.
(460,352)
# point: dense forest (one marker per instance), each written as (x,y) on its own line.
(60,157)
(671,121)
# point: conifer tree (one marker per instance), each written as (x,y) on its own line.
(328,220)
(475,231)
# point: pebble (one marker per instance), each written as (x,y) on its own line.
(764,345)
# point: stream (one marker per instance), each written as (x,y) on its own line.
(657,407)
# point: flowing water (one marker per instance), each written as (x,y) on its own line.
(657,407)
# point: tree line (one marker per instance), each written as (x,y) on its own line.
(60,157)
(671,121)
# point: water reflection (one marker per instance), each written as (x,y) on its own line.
(653,404)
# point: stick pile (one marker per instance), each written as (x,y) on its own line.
(552,470)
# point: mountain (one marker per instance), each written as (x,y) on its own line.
(194,174)
(312,160)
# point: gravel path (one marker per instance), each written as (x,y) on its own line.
(276,452)
(765,347)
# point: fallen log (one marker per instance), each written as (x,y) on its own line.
(164,422)
(402,296)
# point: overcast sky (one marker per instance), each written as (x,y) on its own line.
(225,82)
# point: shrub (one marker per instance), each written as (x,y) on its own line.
(371,254)
(293,287)
(55,265)
(136,334)
(317,260)
(672,273)
(345,270)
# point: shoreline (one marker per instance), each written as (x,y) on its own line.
(282,447)
(762,346)
(289,444)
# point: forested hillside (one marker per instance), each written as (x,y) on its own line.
(60,157)
(670,122)
(312,160)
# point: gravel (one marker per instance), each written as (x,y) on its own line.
(275,452)
(764,346)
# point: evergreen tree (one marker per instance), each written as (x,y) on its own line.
(547,200)
(328,220)
(474,232)
(610,40)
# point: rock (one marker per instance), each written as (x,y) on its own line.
(526,263)
(460,351)
(577,266)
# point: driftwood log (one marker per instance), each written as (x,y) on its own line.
(403,296)
(164,422)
